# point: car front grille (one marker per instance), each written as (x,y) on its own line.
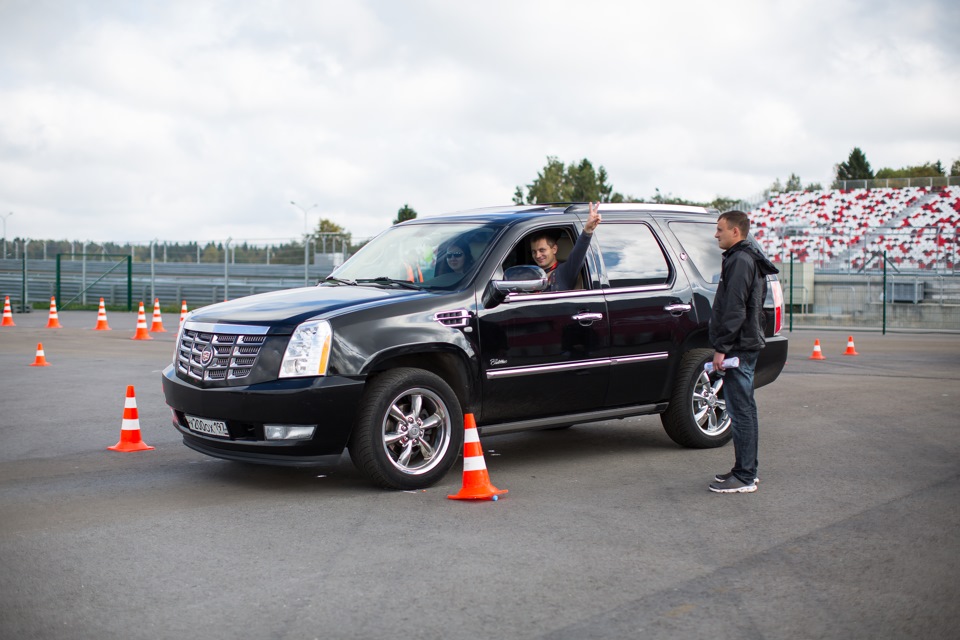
(217,356)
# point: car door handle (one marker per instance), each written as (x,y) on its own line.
(587,318)
(677,309)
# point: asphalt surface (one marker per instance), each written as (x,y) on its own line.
(608,530)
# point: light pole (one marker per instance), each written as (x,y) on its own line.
(5,216)
(226,269)
(306,260)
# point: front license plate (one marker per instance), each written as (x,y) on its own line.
(208,427)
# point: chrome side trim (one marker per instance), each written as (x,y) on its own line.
(547,368)
(552,295)
(638,288)
(660,355)
(511,372)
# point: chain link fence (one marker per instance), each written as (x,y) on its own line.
(874,297)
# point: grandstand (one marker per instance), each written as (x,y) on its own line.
(849,230)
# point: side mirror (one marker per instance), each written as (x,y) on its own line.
(523,278)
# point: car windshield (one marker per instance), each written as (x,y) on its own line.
(429,256)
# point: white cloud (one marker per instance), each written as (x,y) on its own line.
(199,120)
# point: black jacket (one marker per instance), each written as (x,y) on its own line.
(737,320)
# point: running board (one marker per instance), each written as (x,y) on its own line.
(574,418)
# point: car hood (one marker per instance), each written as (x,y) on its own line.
(283,310)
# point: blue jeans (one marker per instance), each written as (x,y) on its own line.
(742,409)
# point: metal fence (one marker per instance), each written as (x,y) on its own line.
(85,282)
(899,183)
(880,296)
(876,298)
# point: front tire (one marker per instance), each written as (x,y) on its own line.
(409,430)
(697,415)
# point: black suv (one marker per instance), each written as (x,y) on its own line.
(442,316)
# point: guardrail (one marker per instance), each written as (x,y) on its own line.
(199,284)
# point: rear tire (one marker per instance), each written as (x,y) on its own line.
(409,430)
(697,415)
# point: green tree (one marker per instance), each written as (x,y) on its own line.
(926,170)
(211,253)
(330,227)
(955,168)
(405,213)
(659,198)
(724,204)
(548,186)
(579,182)
(793,184)
(855,168)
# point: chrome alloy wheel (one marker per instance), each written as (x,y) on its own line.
(416,431)
(709,409)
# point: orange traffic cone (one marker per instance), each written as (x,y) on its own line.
(476,481)
(41,359)
(7,313)
(102,318)
(141,333)
(53,322)
(130,427)
(157,326)
(817,353)
(851,350)
(183,313)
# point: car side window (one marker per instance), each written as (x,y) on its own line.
(565,238)
(632,255)
(701,247)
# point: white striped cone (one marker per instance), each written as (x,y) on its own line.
(476,480)
(130,439)
(817,352)
(141,333)
(102,318)
(183,313)
(7,313)
(851,349)
(157,326)
(41,359)
(53,322)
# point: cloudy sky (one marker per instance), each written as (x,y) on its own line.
(202,119)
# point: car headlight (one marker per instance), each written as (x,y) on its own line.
(308,351)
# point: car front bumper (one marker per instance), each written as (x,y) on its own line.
(330,403)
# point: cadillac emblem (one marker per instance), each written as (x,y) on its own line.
(206,356)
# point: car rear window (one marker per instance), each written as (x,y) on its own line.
(701,248)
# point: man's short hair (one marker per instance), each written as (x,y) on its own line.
(552,237)
(737,219)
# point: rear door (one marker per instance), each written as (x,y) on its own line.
(650,306)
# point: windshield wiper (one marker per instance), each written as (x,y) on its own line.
(352,283)
(384,280)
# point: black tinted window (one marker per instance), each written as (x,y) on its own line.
(701,248)
(632,255)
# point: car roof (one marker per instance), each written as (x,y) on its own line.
(524,212)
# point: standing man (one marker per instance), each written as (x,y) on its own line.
(562,276)
(737,330)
